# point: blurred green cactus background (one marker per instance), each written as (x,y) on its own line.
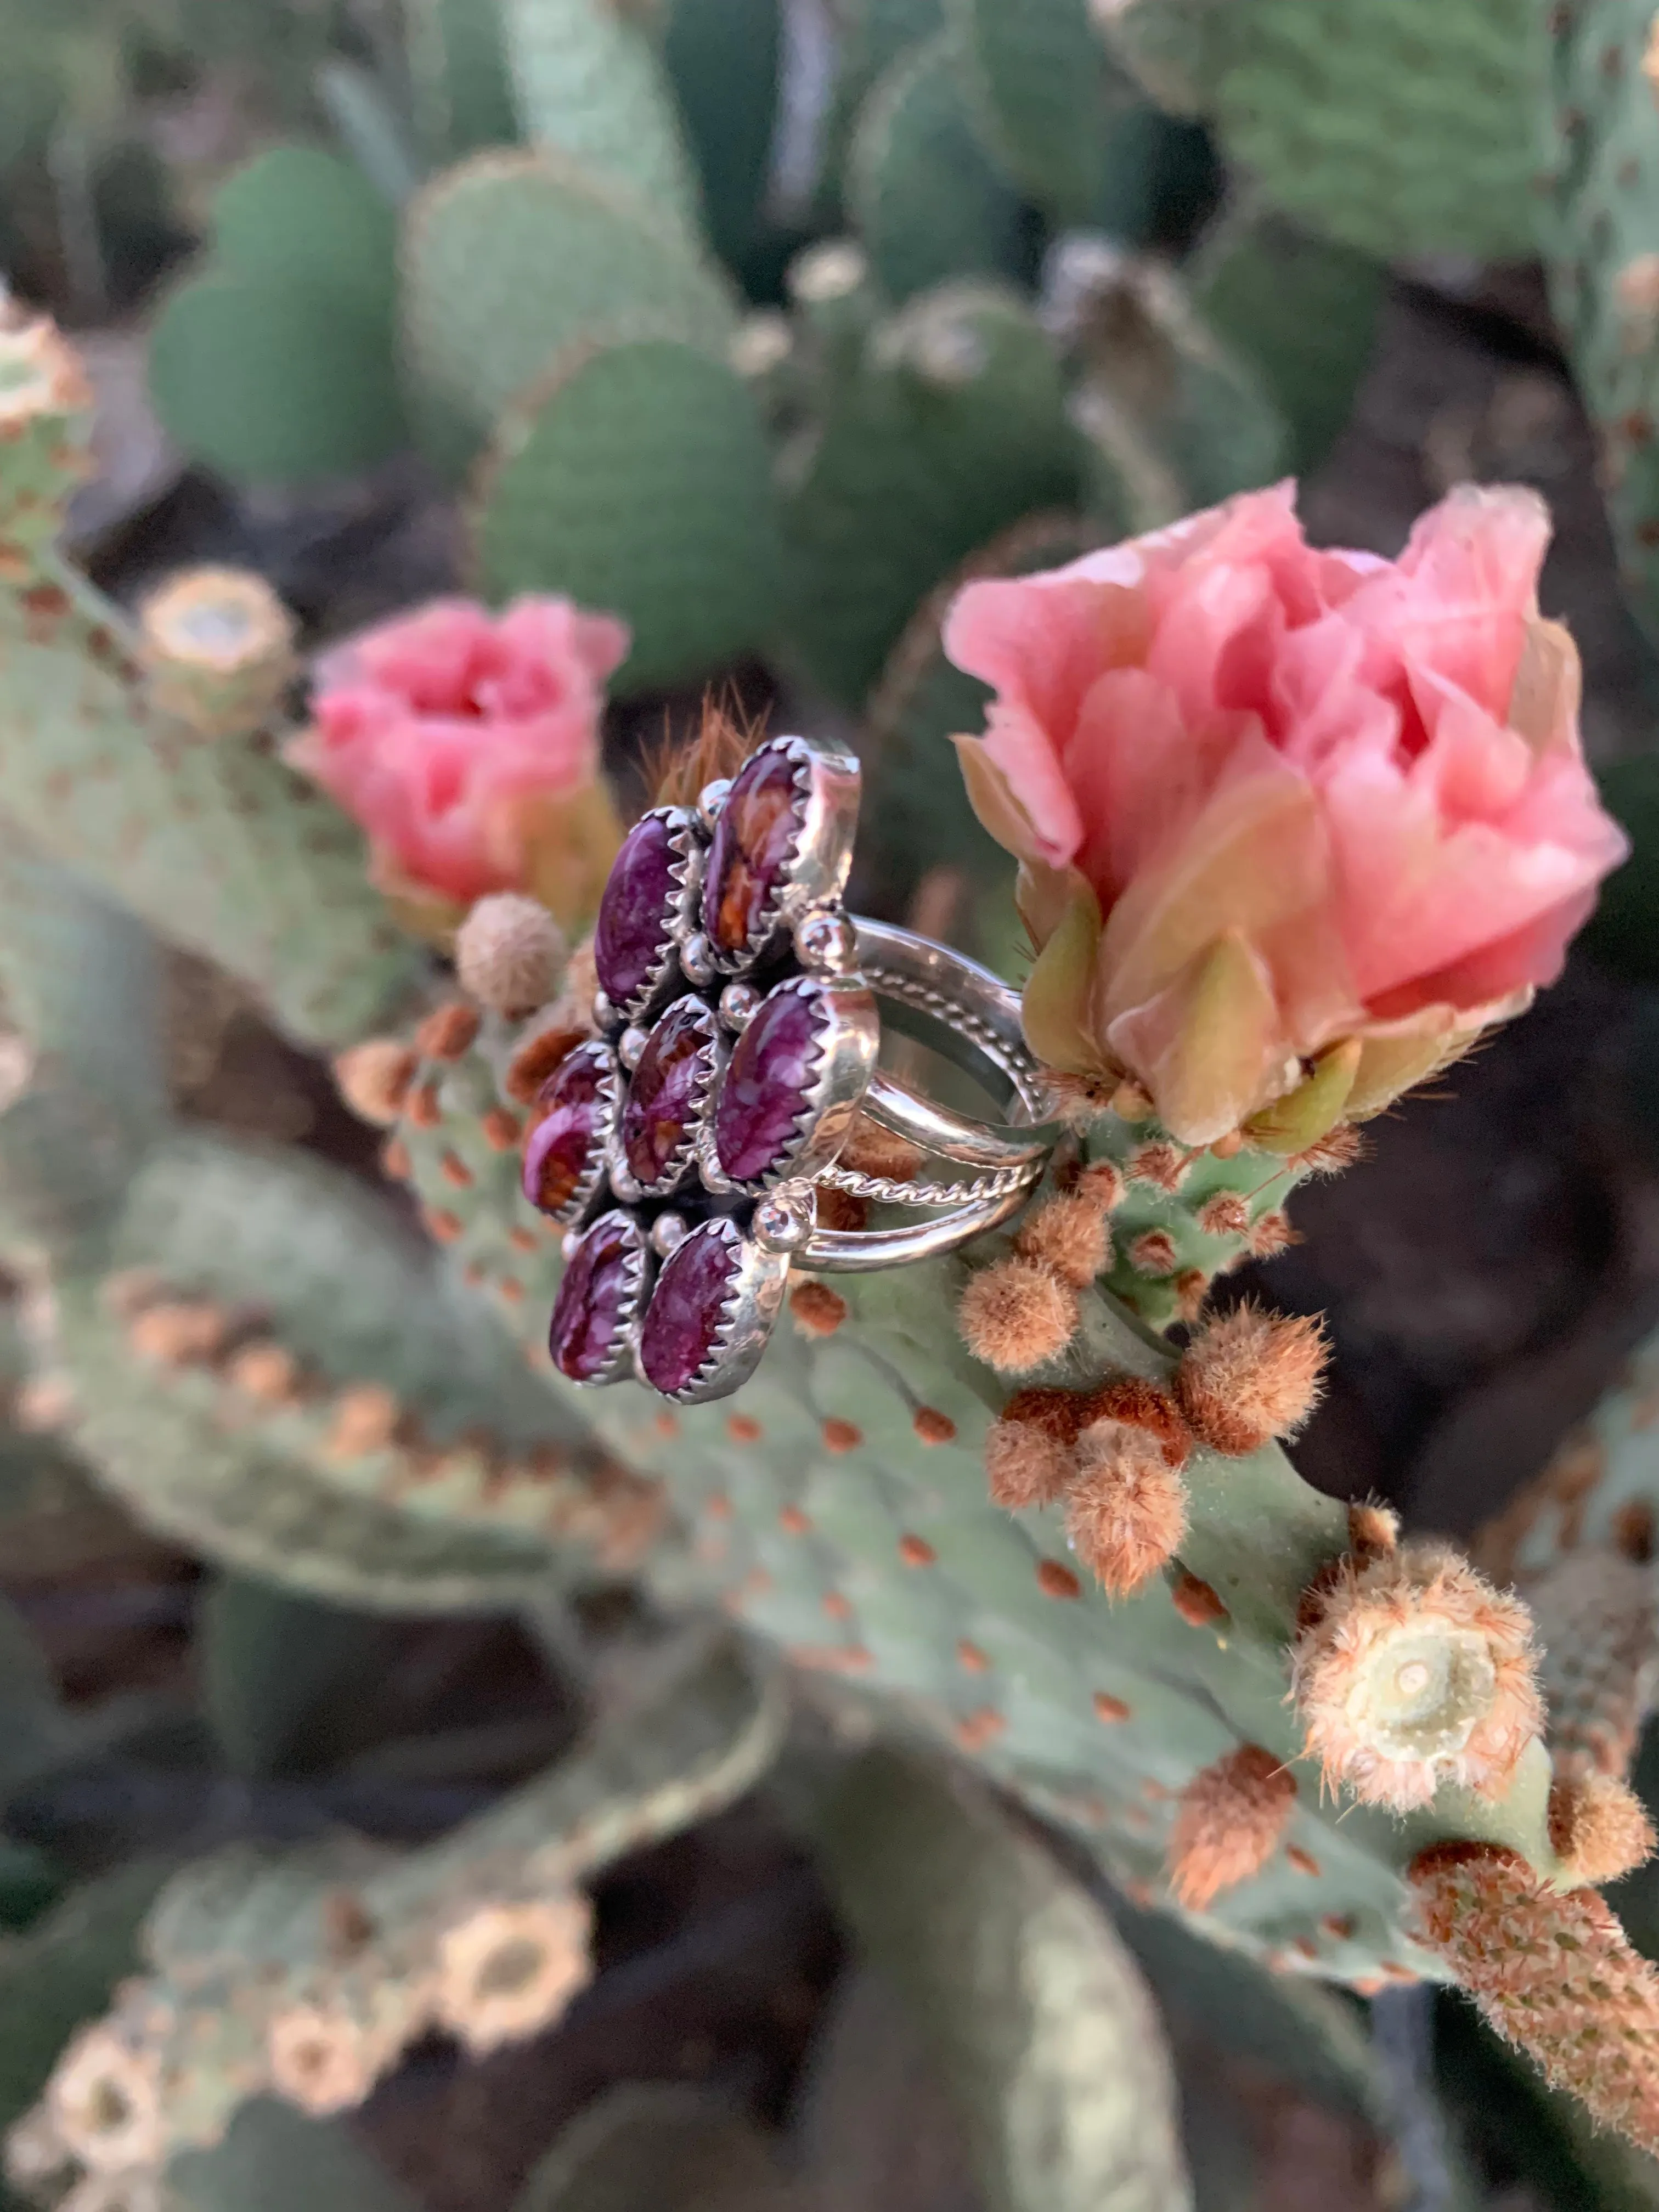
(427,1787)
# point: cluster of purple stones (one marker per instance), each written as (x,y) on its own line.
(659,1167)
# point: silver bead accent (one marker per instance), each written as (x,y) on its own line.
(712,798)
(785,1217)
(631,1043)
(738,1004)
(568,1243)
(668,1233)
(826,942)
(604,1012)
(698,960)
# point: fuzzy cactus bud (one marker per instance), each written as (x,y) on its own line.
(510,954)
(1068,1234)
(320,2058)
(217,645)
(1126,1513)
(1231,1820)
(104,2100)
(1249,1377)
(1411,1669)
(1015,1315)
(1598,1828)
(1030,1454)
(1282,922)
(1554,1972)
(507,1970)
(45,428)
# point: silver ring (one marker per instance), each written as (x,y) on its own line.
(740,1015)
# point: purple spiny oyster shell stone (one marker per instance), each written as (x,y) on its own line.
(755,841)
(631,934)
(683,1317)
(665,1093)
(591,1310)
(764,1091)
(562,1146)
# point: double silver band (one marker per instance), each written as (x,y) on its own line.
(961,1010)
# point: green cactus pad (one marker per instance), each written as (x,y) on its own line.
(1179,50)
(461,89)
(276,363)
(586,84)
(511,257)
(1303,311)
(636,478)
(953,427)
(1604,278)
(1405,126)
(217,847)
(927,199)
(1041,88)
(838,1504)
(723,59)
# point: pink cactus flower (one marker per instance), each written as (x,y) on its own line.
(466,744)
(1294,826)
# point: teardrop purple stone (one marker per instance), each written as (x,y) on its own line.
(631,934)
(666,1091)
(561,1147)
(755,841)
(591,1310)
(764,1091)
(687,1305)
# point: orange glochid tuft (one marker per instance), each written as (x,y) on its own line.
(1196,1602)
(1229,1821)
(374,1078)
(816,1310)
(1015,1316)
(1069,1234)
(1126,1511)
(1250,1376)
(1598,1828)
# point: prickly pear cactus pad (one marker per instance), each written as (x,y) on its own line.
(838,1507)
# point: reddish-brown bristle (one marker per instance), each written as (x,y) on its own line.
(366,1419)
(395,1160)
(1196,1602)
(422,1108)
(1249,1377)
(1069,1235)
(449,1033)
(1161,1163)
(499,1130)
(933,1427)
(1056,1581)
(1027,1464)
(841,1435)
(1153,1252)
(1226,1214)
(817,1310)
(1272,1234)
(1126,1510)
(1014,1316)
(1337,1149)
(723,740)
(1102,1183)
(1139,1404)
(373,1079)
(180,1333)
(841,1209)
(267,1371)
(1373,1530)
(1598,1828)
(1108,1708)
(1229,1824)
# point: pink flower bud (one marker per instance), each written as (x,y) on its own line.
(466,744)
(1294,825)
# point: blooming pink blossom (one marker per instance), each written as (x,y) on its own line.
(1285,816)
(466,744)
